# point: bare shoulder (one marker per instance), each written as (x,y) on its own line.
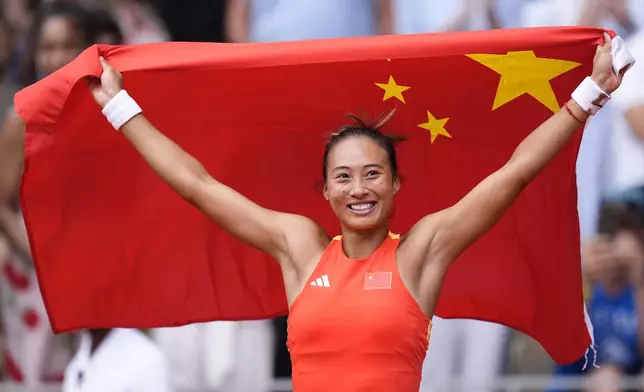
(416,244)
(305,239)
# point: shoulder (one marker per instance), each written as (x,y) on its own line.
(301,230)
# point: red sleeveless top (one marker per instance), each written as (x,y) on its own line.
(356,327)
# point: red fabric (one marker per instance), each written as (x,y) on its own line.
(114,246)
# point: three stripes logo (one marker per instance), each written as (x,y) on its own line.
(322,281)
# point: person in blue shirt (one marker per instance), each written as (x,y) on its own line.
(614,268)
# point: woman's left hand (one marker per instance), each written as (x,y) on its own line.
(603,73)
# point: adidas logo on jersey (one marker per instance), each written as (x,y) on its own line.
(322,281)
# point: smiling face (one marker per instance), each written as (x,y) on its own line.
(360,184)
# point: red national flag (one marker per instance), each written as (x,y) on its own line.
(115,246)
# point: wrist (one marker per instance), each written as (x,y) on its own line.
(603,82)
(110,95)
(120,109)
(589,96)
(577,112)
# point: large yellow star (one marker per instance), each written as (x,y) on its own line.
(393,90)
(525,73)
(435,127)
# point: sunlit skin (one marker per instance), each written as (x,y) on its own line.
(359,174)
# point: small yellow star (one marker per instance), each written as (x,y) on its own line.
(393,90)
(435,126)
(525,73)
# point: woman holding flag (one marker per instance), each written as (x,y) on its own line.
(360,303)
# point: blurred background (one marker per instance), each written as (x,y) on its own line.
(39,36)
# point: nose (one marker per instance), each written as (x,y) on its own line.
(358,190)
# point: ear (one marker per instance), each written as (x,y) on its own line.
(396,185)
(324,192)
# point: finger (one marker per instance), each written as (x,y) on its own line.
(607,41)
(105,65)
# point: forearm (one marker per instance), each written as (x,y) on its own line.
(170,162)
(545,142)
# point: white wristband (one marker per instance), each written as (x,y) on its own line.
(589,96)
(121,109)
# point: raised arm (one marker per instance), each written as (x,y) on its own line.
(445,235)
(286,237)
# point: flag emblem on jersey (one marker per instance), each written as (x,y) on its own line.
(377,281)
(322,281)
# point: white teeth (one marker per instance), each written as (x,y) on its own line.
(361,207)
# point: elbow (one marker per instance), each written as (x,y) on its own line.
(520,171)
(191,183)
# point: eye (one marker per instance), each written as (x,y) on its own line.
(373,173)
(342,176)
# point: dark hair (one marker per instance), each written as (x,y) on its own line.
(370,129)
(615,216)
(104,23)
(79,17)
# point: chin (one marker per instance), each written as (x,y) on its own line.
(363,223)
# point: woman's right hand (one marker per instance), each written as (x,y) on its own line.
(109,84)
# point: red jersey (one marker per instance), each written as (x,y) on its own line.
(355,326)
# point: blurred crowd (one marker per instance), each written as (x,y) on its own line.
(39,36)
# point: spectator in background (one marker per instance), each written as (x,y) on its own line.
(106,29)
(219,356)
(623,16)
(138,21)
(422,16)
(7,87)
(614,265)
(289,20)
(59,33)
(627,138)
(194,20)
(117,360)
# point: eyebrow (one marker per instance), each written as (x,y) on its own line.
(371,165)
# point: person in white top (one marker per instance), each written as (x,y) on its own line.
(117,360)
(221,356)
(627,139)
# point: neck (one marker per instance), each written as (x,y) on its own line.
(361,244)
(98,336)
